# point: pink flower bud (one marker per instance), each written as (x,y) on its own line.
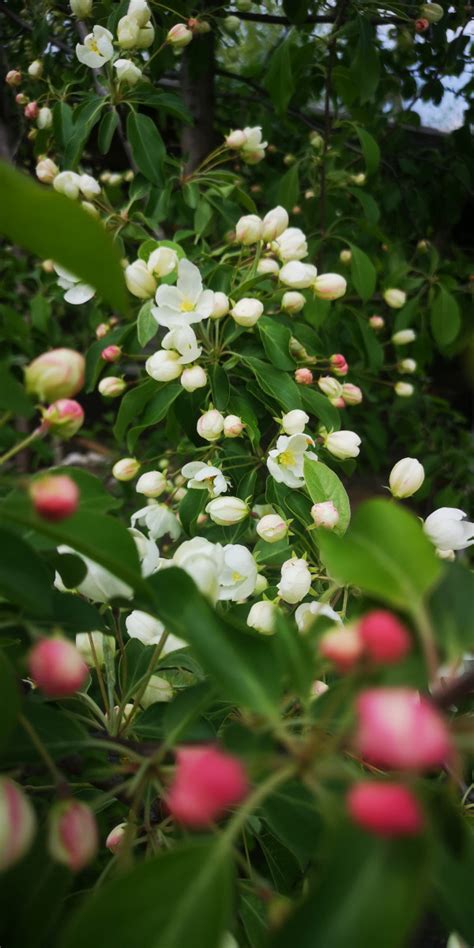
(58,373)
(338,402)
(343,647)
(64,418)
(385,638)
(17,823)
(377,322)
(13,77)
(386,809)
(325,514)
(73,836)
(319,688)
(304,376)
(233,426)
(115,838)
(206,782)
(31,111)
(179,36)
(21,98)
(339,364)
(102,330)
(400,729)
(421,25)
(111,353)
(55,496)
(351,394)
(331,387)
(112,386)
(56,667)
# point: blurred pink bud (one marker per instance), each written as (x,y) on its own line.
(31,111)
(325,514)
(400,729)
(115,838)
(338,402)
(386,809)
(384,637)
(343,647)
(102,330)
(58,373)
(236,139)
(21,98)
(54,496)
(421,25)
(56,667)
(206,782)
(63,418)
(13,77)
(17,823)
(377,322)
(111,353)
(303,376)
(351,394)
(73,836)
(339,364)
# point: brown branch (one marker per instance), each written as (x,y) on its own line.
(446,695)
(285,21)
(29,27)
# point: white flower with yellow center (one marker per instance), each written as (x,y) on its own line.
(183,340)
(286,461)
(97,48)
(205,477)
(238,577)
(159,520)
(184,303)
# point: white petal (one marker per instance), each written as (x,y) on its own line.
(80,293)
(189,280)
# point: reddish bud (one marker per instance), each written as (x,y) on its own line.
(31,111)
(342,646)
(339,364)
(206,782)
(304,376)
(384,637)
(111,353)
(421,25)
(54,496)
(400,729)
(386,809)
(64,418)
(102,330)
(56,667)
(73,836)
(17,823)
(21,98)
(13,77)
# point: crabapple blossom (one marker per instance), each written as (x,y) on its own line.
(342,646)
(403,337)
(157,690)
(210,425)
(128,31)
(151,484)
(164,365)
(203,561)
(127,72)
(293,422)
(386,809)
(448,529)
(325,514)
(268,267)
(249,229)
(221,305)
(272,528)
(206,782)
(73,836)
(298,275)
(236,139)
(233,426)
(292,302)
(179,36)
(76,291)
(45,118)
(262,617)
(395,298)
(205,477)
(331,387)
(96,49)
(307,613)
(193,377)
(58,373)
(140,11)
(54,496)
(81,8)
(247,311)
(99,584)
(406,477)
(185,303)
(329,286)
(140,282)
(183,340)
(342,444)
(93,646)
(290,245)
(295,580)
(159,521)
(275,223)
(319,688)
(253,149)
(17,823)
(56,667)
(385,639)
(162,261)
(400,729)
(238,574)
(404,389)
(286,461)
(149,631)
(46,170)
(226,511)
(126,469)
(67,183)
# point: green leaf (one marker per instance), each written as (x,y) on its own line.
(445,317)
(131,405)
(24,578)
(220,387)
(370,149)
(147,146)
(368,204)
(319,406)
(42,221)
(385,553)
(289,188)
(156,409)
(94,496)
(190,507)
(365,69)
(453,888)
(84,117)
(276,341)
(292,815)
(240,664)
(279,80)
(147,326)
(9,700)
(62,124)
(275,383)
(182,897)
(60,732)
(296,10)
(323,484)
(107,130)
(364,276)
(369,894)
(13,396)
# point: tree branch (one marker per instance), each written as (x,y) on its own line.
(285,21)
(29,27)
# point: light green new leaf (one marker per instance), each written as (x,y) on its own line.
(54,227)
(385,553)
(323,484)
(370,149)
(182,897)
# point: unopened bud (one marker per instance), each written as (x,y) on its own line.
(13,77)
(339,364)
(58,373)
(233,426)
(404,389)
(54,496)
(17,823)
(376,322)
(179,36)
(46,170)
(56,667)
(126,469)
(63,418)
(304,376)
(35,69)
(112,386)
(351,394)
(73,837)
(31,111)
(325,514)
(115,838)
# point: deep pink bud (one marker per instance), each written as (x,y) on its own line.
(401,730)
(384,637)
(64,417)
(73,837)
(339,364)
(421,25)
(342,646)
(57,667)
(17,823)
(304,376)
(111,353)
(54,496)
(13,77)
(387,809)
(31,111)
(206,782)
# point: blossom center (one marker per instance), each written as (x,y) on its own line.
(236,576)
(186,305)
(287,459)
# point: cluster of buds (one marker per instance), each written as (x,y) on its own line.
(339,394)
(212,425)
(378,637)
(248,143)
(135,30)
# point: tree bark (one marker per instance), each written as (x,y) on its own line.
(197,88)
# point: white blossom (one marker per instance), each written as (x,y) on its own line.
(184,303)
(97,48)
(159,521)
(286,461)
(238,576)
(202,476)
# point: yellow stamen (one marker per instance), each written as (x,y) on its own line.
(186,306)
(287,459)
